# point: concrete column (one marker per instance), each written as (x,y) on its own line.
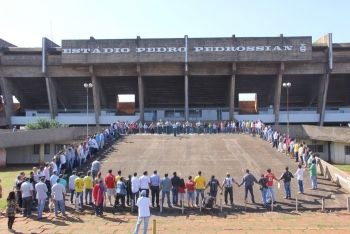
(96,96)
(2,157)
(96,99)
(324,91)
(232,92)
(6,90)
(186,94)
(141,93)
(277,99)
(41,154)
(52,96)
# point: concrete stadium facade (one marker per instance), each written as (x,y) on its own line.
(177,79)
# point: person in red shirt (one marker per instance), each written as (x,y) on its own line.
(190,186)
(98,194)
(110,185)
(270,191)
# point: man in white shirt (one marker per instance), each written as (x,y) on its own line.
(300,177)
(135,188)
(63,162)
(27,197)
(58,193)
(71,185)
(144,212)
(144,183)
(41,195)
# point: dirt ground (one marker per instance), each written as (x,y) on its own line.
(212,155)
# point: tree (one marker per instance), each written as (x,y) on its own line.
(44,124)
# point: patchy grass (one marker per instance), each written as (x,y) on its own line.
(8,176)
(345,168)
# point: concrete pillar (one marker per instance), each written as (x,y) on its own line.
(186,94)
(324,92)
(141,93)
(41,154)
(232,92)
(2,157)
(6,90)
(52,96)
(96,96)
(277,99)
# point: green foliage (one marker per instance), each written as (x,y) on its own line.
(44,124)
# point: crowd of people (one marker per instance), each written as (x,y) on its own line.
(50,184)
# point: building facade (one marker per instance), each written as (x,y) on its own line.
(177,79)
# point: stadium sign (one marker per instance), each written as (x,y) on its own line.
(197,50)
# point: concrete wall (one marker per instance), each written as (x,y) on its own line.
(332,173)
(323,155)
(25,155)
(2,156)
(338,153)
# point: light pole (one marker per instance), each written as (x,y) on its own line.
(87,86)
(287,85)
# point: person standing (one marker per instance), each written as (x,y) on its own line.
(99,197)
(135,188)
(71,185)
(190,186)
(270,191)
(287,177)
(165,186)
(182,191)
(41,195)
(175,182)
(79,188)
(263,188)
(200,183)
(95,168)
(143,212)
(88,185)
(300,178)
(313,175)
(110,184)
(11,210)
(227,184)
(145,182)
(27,197)
(117,178)
(128,191)
(248,181)
(121,192)
(58,193)
(155,183)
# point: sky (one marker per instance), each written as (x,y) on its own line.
(25,22)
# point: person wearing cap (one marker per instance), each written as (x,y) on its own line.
(41,195)
(27,197)
(143,212)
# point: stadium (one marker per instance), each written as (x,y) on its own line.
(274,79)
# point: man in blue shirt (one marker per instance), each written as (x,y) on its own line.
(155,183)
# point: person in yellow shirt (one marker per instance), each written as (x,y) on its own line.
(200,184)
(296,150)
(79,188)
(88,184)
(117,178)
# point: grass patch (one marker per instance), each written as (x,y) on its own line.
(345,168)
(8,176)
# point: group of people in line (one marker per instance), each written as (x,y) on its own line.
(49,185)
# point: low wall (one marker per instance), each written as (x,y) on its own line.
(334,174)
